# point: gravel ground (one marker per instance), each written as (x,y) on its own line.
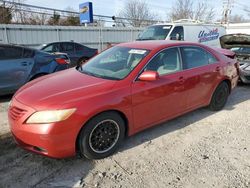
(199,149)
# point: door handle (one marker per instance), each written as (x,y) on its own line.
(181,80)
(217,69)
(24,64)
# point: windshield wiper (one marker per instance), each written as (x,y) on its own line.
(99,76)
(150,38)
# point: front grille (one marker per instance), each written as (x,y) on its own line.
(16,113)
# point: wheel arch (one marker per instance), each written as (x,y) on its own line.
(227,81)
(120,113)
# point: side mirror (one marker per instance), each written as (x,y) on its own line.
(149,76)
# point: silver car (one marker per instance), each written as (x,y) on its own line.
(240,44)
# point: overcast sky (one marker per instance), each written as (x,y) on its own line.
(111,7)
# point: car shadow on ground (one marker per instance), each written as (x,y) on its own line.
(17,166)
(20,168)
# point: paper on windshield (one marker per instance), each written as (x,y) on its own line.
(136,51)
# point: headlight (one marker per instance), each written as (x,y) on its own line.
(50,116)
(247,68)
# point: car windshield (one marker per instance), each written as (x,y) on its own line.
(40,47)
(242,50)
(156,32)
(115,63)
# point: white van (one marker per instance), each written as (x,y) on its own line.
(207,34)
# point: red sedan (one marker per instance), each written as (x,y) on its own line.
(118,93)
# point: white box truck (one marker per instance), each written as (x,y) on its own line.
(207,34)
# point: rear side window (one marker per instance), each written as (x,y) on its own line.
(66,47)
(79,47)
(11,53)
(28,53)
(177,33)
(195,57)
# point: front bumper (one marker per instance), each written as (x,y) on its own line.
(56,140)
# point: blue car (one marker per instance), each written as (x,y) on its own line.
(77,53)
(19,65)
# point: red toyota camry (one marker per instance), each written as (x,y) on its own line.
(118,93)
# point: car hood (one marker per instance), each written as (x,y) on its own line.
(57,89)
(235,40)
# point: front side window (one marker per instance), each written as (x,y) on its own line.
(177,33)
(166,62)
(195,57)
(52,48)
(156,32)
(115,63)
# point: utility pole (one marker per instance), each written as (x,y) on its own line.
(227,6)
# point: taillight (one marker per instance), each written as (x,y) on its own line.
(62,61)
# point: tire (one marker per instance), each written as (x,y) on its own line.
(219,97)
(97,140)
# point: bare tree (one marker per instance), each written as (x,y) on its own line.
(70,18)
(5,15)
(237,19)
(36,19)
(137,13)
(55,19)
(186,9)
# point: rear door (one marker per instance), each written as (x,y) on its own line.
(14,68)
(162,99)
(201,70)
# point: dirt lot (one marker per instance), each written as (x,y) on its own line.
(199,149)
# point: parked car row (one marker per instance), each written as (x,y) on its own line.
(19,65)
(77,53)
(91,108)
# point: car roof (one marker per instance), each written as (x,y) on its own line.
(17,46)
(156,44)
(62,42)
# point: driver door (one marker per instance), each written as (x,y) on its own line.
(162,99)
